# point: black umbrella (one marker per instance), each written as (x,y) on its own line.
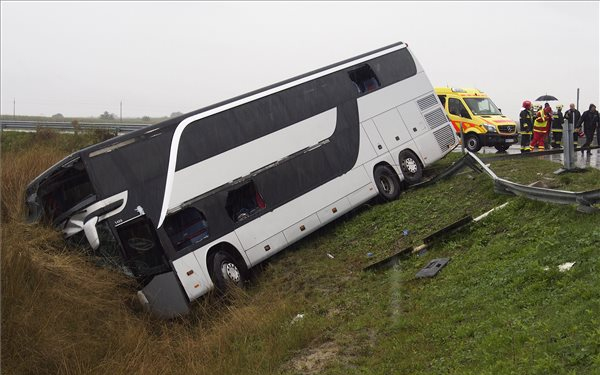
(545,98)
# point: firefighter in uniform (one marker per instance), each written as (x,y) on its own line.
(526,124)
(572,115)
(540,129)
(557,130)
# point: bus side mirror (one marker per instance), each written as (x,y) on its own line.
(91,233)
(499,110)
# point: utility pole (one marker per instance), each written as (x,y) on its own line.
(14,105)
(577,99)
(121,111)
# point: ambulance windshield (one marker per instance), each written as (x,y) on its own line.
(482,106)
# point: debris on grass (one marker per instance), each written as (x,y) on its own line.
(432,269)
(297,318)
(565,266)
(489,212)
(331,256)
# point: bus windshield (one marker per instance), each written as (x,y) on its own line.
(482,106)
(64,190)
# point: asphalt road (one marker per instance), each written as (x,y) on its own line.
(581,160)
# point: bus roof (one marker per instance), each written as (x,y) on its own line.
(241,98)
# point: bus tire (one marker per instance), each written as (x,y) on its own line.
(387,183)
(227,271)
(411,167)
(472,142)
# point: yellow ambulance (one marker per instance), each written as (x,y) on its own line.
(482,122)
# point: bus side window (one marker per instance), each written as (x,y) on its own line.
(244,202)
(364,79)
(143,251)
(186,227)
(442,100)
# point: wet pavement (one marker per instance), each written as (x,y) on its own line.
(581,160)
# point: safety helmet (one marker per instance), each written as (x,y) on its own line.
(536,107)
(559,106)
(526,104)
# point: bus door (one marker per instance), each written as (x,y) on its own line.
(144,255)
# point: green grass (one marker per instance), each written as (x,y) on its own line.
(494,309)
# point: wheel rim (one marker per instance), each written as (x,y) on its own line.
(411,165)
(230,271)
(472,143)
(386,184)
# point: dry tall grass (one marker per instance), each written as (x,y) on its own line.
(63,315)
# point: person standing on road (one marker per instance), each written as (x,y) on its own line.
(540,126)
(557,130)
(548,116)
(590,120)
(572,115)
(526,125)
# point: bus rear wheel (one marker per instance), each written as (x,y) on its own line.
(411,167)
(227,271)
(387,183)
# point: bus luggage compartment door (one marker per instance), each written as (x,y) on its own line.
(392,128)
(374,136)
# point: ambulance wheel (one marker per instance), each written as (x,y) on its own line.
(502,148)
(472,143)
(387,183)
(227,271)
(411,167)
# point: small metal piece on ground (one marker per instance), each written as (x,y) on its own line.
(431,269)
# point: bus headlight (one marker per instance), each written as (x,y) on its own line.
(490,128)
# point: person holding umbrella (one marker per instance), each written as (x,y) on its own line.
(590,120)
(540,126)
(548,113)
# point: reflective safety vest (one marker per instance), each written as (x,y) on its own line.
(540,123)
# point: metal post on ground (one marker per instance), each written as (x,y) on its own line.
(462,138)
(569,149)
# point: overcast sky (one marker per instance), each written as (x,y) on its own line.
(80,59)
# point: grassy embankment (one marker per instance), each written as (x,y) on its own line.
(495,309)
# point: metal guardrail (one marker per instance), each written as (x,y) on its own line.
(64,126)
(584,200)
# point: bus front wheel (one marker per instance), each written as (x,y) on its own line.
(387,182)
(227,271)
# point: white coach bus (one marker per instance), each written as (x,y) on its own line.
(192,203)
